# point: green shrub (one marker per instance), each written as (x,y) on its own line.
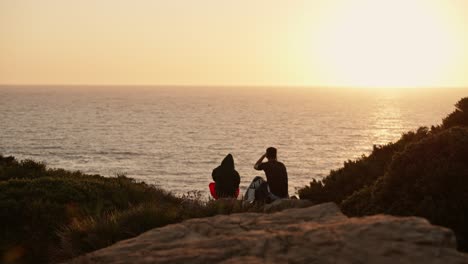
(354,175)
(49,215)
(428,179)
(459,117)
(425,173)
(10,168)
(357,174)
(34,207)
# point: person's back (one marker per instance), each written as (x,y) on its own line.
(227,179)
(276,173)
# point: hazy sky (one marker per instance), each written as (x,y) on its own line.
(235,42)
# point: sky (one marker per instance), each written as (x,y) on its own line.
(356,43)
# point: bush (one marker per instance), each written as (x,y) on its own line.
(425,173)
(355,175)
(36,202)
(428,179)
(49,215)
(459,117)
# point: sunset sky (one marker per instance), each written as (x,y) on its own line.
(369,43)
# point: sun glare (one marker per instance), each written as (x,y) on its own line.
(386,44)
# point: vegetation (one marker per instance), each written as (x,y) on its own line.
(429,179)
(48,215)
(357,174)
(425,173)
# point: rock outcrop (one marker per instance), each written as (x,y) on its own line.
(283,204)
(317,234)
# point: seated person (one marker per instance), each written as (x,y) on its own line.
(275,172)
(227,179)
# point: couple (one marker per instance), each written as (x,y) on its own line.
(227,178)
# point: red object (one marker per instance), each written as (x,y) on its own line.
(212,186)
(212,190)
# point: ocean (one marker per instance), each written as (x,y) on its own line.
(174,137)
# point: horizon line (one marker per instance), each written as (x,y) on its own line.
(236,86)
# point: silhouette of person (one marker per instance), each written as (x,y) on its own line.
(227,179)
(275,172)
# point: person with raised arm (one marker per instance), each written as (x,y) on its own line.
(275,172)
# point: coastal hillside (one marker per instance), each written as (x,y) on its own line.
(49,215)
(425,174)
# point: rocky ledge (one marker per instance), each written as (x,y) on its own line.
(317,234)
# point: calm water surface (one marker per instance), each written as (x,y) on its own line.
(174,136)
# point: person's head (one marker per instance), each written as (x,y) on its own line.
(271,153)
(228,162)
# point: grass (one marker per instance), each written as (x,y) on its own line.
(50,215)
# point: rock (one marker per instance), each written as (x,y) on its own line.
(317,234)
(283,204)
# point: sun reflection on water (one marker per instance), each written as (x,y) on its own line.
(386,121)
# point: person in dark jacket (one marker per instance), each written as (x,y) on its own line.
(275,172)
(227,179)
